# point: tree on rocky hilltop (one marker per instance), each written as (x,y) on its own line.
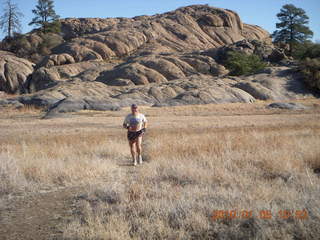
(293,26)
(10,20)
(45,16)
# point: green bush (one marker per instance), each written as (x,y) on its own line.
(312,52)
(310,68)
(18,44)
(33,46)
(309,64)
(307,50)
(51,40)
(52,27)
(242,64)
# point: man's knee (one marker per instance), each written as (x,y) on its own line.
(132,145)
(139,147)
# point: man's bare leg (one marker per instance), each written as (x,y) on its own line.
(132,145)
(139,149)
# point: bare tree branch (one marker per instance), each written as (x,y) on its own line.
(10,20)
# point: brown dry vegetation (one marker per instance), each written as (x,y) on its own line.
(199,159)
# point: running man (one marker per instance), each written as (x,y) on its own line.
(136,123)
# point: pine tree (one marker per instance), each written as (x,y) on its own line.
(10,20)
(45,15)
(293,26)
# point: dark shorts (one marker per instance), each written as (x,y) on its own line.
(132,136)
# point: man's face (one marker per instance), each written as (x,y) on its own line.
(134,109)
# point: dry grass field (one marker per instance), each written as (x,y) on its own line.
(229,171)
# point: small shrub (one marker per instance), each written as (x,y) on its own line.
(32,46)
(306,50)
(241,64)
(310,68)
(18,44)
(53,27)
(50,40)
(312,52)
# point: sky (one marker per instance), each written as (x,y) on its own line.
(262,13)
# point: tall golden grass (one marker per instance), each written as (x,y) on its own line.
(191,174)
(194,166)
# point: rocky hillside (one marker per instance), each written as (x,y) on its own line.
(185,30)
(165,59)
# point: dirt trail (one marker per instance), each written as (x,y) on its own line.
(39,216)
(44,215)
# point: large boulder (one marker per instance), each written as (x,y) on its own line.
(161,68)
(70,104)
(286,105)
(44,77)
(14,72)
(275,83)
(56,60)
